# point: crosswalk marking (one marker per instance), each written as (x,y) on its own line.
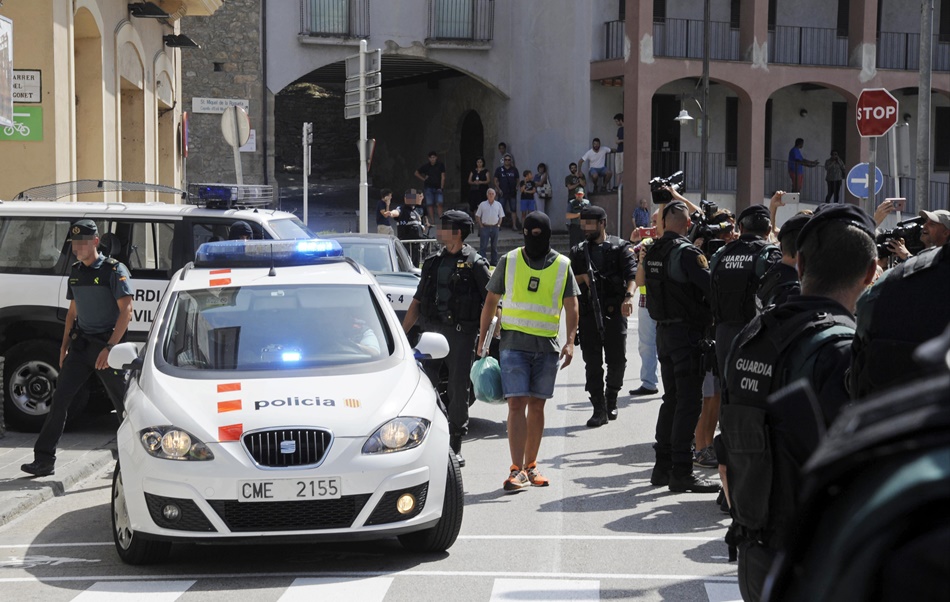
(143,591)
(550,590)
(723,592)
(331,589)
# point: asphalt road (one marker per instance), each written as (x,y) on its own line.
(600,531)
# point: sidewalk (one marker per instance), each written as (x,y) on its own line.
(82,451)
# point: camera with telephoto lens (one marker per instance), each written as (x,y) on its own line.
(709,226)
(907,231)
(657,184)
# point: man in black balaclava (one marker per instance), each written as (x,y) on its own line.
(536,282)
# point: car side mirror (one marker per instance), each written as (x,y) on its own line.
(125,356)
(431,346)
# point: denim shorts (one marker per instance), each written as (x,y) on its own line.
(710,385)
(433,196)
(527,374)
(599,170)
(528,205)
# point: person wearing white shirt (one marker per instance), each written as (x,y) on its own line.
(596,158)
(488,216)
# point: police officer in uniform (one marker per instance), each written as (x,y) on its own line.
(736,271)
(100,309)
(908,305)
(449,301)
(612,264)
(410,223)
(677,277)
(781,281)
(764,441)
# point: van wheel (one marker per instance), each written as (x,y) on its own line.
(30,372)
(441,537)
(132,547)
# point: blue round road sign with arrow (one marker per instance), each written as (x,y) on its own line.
(857,180)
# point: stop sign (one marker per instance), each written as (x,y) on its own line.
(877,112)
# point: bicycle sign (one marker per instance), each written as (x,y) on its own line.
(27,125)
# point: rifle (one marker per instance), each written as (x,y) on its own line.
(592,292)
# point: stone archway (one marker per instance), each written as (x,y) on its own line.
(90,127)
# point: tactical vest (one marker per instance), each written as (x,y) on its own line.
(611,285)
(766,356)
(465,300)
(409,223)
(672,298)
(778,284)
(736,273)
(908,305)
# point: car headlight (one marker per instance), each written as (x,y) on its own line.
(398,434)
(172,443)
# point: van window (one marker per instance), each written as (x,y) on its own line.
(34,245)
(145,247)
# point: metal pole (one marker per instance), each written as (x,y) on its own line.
(364,184)
(238,171)
(923,106)
(872,177)
(705,139)
(892,147)
(306,174)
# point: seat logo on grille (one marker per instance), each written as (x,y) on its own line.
(288,447)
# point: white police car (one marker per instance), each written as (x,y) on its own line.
(276,397)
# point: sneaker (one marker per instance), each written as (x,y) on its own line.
(517,480)
(692,484)
(38,469)
(706,458)
(535,476)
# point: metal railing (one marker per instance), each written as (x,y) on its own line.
(897,50)
(461,20)
(683,38)
(334,18)
(721,176)
(808,46)
(613,39)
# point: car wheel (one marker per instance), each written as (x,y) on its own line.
(132,547)
(29,380)
(441,537)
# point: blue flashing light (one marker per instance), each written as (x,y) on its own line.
(291,356)
(266,253)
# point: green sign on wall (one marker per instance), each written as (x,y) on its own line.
(27,125)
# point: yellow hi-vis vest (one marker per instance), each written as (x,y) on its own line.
(535,312)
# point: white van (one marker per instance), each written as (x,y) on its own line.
(154,240)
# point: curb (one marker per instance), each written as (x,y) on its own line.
(14,504)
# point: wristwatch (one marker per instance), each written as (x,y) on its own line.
(628,295)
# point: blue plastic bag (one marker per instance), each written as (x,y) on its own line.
(486,380)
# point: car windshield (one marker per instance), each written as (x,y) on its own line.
(371,255)
(290,228)
(276,328)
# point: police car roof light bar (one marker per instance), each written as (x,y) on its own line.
(230,196)
(267,253)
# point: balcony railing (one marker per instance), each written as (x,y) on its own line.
(613,37)
(461,20)
(334,18)
(808,46)
(897,50)
(721,176)
(683,38)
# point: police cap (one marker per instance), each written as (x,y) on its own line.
(594,212)
(240,229)
(756,211)
(84,229)
(457,220)
(829,212)
(794,225)
(675,205)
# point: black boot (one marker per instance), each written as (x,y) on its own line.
(660,477)
(600,413)
(455,442)
(611,405)
(681,481)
